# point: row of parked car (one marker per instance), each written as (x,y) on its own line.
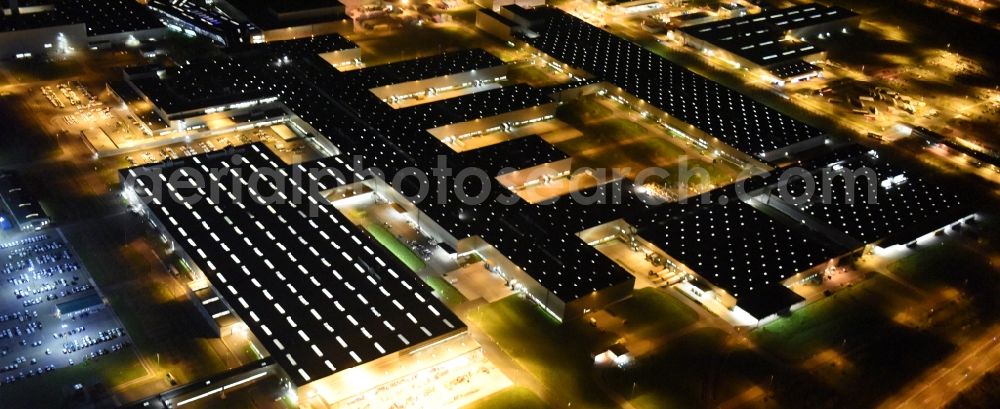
(35,249)
(18,315)
(88,341)
(26,240)
(26,278)
(44,288)
(31,372)
(16,331)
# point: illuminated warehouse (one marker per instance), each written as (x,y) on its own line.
(333,310)
(53,27)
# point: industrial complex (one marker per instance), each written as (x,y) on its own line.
(327,204)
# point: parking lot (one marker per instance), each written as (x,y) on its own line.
(38,272)
(73,106)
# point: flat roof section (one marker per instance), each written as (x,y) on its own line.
(321,295)
(805,15)
(690,16)
(553,256)
(101,17)
(755,39)
(274,14)
(905,206)
(768,299)
(313,45)
(79,304)
(204,84)
(111,16)
(20,204)
(735,246)
(733,118)
(422,68)
(793,69)
(562,263)
(782,20)
(545,248)
(768,53)
(202,15)
(596,205)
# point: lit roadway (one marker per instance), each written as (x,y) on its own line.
(963,368)
(945,382)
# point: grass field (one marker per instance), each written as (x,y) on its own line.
(619,143)
(534,76)
(51,389)
(706,368)
(397,248)
(948,264)
(673,377)
(650,313)
(416,42)
(35,69)
(843,315)
(510,397)
(25,141)
(983,395)
(583,110)
(852,341)
(544,348)
(611,141)
(559,355)
(954,268)
(941,264)
(141,296)
(446,292)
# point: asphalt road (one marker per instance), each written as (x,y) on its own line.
(950,378)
